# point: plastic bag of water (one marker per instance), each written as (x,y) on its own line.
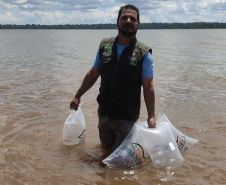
(131,152)
(183,141)
(74,130)
(161,145)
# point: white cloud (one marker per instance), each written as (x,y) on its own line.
(5,5)
(105,11)
(20,1)
(8,17)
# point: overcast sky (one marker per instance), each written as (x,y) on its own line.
(105,11)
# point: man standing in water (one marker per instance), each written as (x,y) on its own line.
(124,64)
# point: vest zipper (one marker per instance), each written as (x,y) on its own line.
(117,61)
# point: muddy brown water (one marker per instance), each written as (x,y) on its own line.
(40,71)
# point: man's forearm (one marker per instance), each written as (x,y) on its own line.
(88,81)
(149,96)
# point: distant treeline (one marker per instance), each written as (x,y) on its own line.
(193,25)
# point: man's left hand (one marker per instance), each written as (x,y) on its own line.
(151,122)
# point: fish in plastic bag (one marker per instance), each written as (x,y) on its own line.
(183,141)
(74,130)
(161,145)
(130,153)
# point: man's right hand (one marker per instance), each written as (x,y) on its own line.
(74,104)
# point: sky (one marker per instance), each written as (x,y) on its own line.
(48,12)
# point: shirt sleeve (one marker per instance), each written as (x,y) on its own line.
(96,64)
(147,68)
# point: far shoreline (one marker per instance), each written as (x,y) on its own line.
(192,25)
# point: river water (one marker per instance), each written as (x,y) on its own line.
(40,71)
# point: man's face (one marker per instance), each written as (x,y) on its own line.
(128,23)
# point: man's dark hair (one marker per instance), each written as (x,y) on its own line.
(131,7)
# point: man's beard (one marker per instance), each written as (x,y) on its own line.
(127,33)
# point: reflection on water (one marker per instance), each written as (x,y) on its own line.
(40,71)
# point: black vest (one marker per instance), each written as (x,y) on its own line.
(120,88)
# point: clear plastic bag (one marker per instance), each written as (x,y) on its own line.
(161,145)
(183,141)
(130,153)
(74,130)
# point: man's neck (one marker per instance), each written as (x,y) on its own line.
(125,40)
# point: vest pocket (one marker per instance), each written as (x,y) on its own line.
(105,59)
